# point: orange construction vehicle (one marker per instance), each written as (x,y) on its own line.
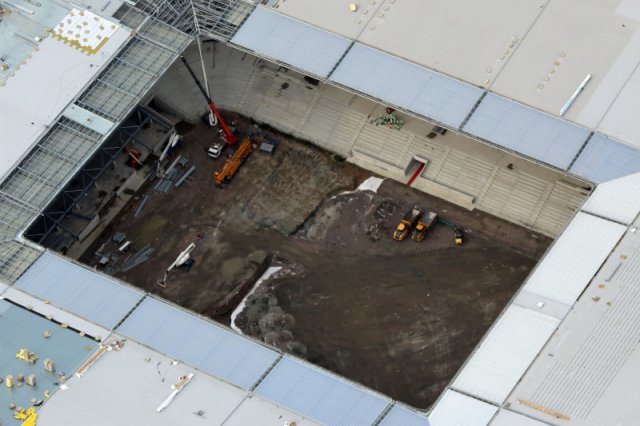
(232,164)
(409,221)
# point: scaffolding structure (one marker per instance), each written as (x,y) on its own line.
(60,154)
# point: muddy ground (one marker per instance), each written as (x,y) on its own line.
(400,317)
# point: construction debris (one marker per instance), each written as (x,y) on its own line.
(104,348)
(49,365)
(182,382)
(546,410)
(141,206)
(185,176)
(141,256)
(31,380)
(25,355)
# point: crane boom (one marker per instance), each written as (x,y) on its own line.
(229,137)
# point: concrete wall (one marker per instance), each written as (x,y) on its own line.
(459,169)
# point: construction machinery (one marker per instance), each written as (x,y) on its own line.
(134,158)
(424,225)
(227,134)
(458,233)
(408,222)
(231,166)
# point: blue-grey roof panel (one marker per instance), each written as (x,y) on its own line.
(604,159)
(527,131)
(202,344)
(20,328)
(406,85)
(320,395)
(292,42)
(400,415)
(79,290)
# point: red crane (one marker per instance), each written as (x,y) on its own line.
(229,137)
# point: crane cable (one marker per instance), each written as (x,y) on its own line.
(213,120)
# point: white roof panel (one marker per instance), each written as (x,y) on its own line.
(504,354)
(589,369)
(603,159)
(617,199)
(41,89)
(320,395)
(556,54)
(456,409)
(511,418)
(468,39)
(401,415)
(203,344)
(79,290)
(254,408)
(526,131)
(128,385)
(621,120)
(406,85)
(575,257)
(290,41)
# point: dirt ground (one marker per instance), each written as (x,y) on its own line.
(400,317)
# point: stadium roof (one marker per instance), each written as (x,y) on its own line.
(563,349)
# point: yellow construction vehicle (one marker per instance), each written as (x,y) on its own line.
(232,164)
(407,223)
(423,226)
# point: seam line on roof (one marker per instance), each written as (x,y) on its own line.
(626,225)
(384,413)
(524,36)
(584,145)
(346,52)
(266,372)
(626,82)
(473,109)
(128,314)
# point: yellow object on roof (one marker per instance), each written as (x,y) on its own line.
(31,419)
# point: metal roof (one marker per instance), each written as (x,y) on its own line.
(617,199)
(203,344)
(603,159)
(401,415)
(20,328)
(527,131)
(588,370)
(505,353)
(131,383)
(510,418)
(576,256)
(15,258)
(406,85)
(292,42)
(268,413)
(456,409)
(55,313)
(68,71)
(320,395)
(79,290)
(20,27)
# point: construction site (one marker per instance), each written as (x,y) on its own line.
(297,247)
(316,222)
